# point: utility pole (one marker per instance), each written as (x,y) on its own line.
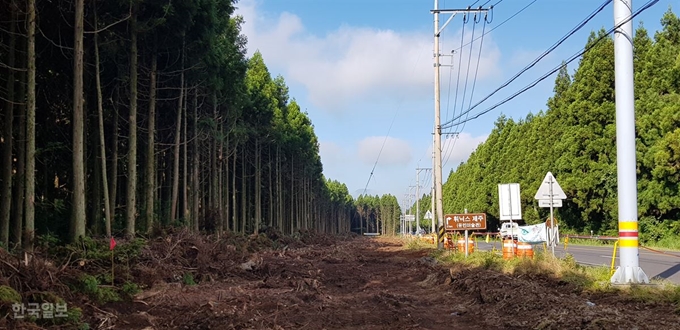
(410,202)
(418,195)
(405,208)
(629,270)
(434,228)
(437,106)
(417,200)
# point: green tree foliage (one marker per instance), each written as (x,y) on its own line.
(377,214)
(575,139)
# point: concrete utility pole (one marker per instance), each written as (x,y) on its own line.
(417,200)
(629,270)
(434,227)
(410,202)
(437,106)
(418,195)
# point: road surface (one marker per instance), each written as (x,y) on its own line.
(660,265)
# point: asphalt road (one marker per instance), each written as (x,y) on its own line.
(659,265)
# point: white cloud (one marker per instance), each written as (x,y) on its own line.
(394,152)
(351,64)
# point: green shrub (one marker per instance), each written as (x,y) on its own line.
(89,285)
(188,279)
(9,295)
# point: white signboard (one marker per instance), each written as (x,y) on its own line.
(509,201)
(544,191)
(546,203)
(428,215)
(410,217)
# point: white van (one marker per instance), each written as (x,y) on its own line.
(509,229)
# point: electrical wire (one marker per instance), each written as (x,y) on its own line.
(501,23)
(460,61)
(446,148)
(540,57)
(474,84)
(396,112)
(574,57)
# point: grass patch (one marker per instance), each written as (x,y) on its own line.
(89,285)
(588,242)
(9,295)
(417,244)
(594,279)
(188,279)
(668,243)
(567,269)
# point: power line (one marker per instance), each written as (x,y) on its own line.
(396,112)
(574,57)
(447,146)
(501,23)
(540,57)
(474,83)
(460,64)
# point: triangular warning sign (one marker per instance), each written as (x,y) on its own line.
(544,190)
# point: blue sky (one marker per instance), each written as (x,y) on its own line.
(363,68)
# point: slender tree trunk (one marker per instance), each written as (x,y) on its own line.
(270,215)
(29,229)
(225,191)
(234,227)
(220,183)
(95,195)
(301,200)
(243,191)
(215,170)
(292,195)
(102,140)
(361,223)
(185,163)
(131,205)
(175,170)
(151,150)
(208,179)
(258,186)
(6,179)
(308,204)
(20,177)
(113,189)
(78,207)
(279,190)
(196,157)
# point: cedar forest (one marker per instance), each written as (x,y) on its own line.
(122,117)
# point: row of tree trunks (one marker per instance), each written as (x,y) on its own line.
(194,180)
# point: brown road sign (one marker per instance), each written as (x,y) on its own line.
(467,221)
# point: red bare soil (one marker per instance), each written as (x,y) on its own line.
(355,283)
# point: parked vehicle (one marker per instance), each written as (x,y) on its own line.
(509,229)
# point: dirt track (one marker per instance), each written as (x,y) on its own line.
(366,283)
